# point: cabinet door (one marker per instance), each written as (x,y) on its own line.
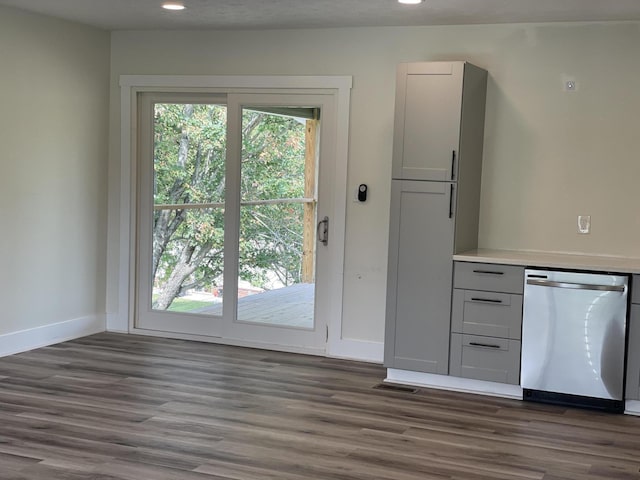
(632,388)
(427,122)
(420,276)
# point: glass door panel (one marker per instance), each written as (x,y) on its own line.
(181,214)
(276,274)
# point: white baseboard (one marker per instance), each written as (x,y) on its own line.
(24,340)
(456,384)
(360,350)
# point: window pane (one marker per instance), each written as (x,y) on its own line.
(273,156)
(189,153)
(188,262)
(277,233)
(271,288)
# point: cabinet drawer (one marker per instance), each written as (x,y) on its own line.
(487,313)
(635,292)
(485,358)
(489,277)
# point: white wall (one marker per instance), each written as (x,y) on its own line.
(54,98)
(549,155)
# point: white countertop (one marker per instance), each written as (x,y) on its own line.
(599,263)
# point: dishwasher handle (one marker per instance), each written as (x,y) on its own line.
(575,286)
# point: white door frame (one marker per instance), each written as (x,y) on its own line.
(123,256)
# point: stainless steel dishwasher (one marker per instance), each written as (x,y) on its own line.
(573,338)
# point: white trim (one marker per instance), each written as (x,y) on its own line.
(456,384)
(122,319)
(336,344)
(632,407)
(228,341)
(236,81)
(24,340)
(112,324)
(360,350)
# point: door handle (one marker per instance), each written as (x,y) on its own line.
(323,231)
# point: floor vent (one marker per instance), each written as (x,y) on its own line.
(396,388)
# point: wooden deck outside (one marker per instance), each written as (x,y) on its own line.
(290,307)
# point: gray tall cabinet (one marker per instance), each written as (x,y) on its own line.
(435,196)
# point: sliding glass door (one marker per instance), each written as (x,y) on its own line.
(232,194)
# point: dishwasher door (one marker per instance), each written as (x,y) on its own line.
(573,334)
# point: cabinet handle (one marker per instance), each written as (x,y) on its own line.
(453,164)
(484,345)
(451,202)
(488,272)
(487,300)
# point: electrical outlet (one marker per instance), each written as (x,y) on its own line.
(584,224)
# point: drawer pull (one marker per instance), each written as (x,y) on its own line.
(488,272)
(486,300)
(484,345)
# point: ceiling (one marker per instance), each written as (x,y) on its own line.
(271,14)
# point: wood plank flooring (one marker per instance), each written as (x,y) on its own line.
(119,407)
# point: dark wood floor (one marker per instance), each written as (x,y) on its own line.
(126,407)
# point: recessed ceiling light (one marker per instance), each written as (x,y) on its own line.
(173,6)
(410,2)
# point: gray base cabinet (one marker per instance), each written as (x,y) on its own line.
(486,322)
(632,387)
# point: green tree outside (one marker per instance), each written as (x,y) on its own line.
(189,167)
